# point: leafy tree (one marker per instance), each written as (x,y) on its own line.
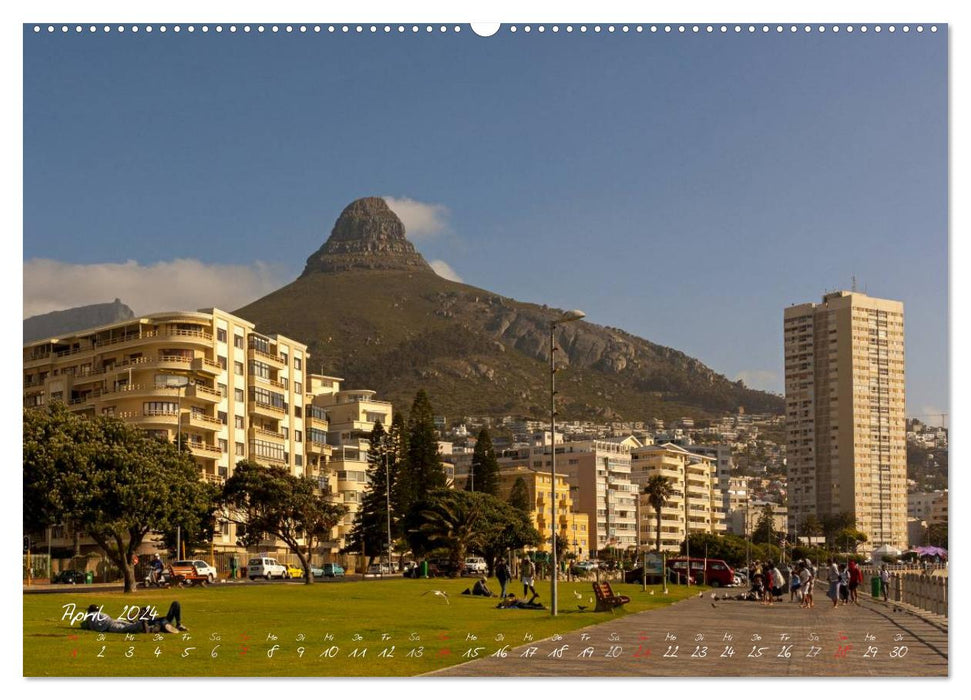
(658,490)
(811,526)
(765,531)
(371,520)
(519,495)
(937,535)
(834,524)
(272,502)
(484,474)
(109,480)
(731,548)
(849,539)
(464,521)
(422,471)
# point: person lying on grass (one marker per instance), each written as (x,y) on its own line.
(511,601)
(98,621)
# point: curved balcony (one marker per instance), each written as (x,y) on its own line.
(203,393)
(201,421)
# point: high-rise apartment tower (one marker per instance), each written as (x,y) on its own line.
(845,421)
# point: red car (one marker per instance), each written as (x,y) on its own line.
(716,573)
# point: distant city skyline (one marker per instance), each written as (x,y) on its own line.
(683,188)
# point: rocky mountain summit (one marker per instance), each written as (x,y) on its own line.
(373,312)
(367,236)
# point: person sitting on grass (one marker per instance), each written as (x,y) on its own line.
(480,588)
(97,621)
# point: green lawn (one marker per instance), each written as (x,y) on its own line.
(234,628)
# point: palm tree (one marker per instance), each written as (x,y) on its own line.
(658,490)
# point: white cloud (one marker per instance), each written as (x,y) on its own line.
(763,379)
(932,415)
(177,285)
(443,269)
(421,220)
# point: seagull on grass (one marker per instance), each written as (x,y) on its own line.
(440,594)
(577,595)
(652,592)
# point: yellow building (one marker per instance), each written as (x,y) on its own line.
(845,414)
(573,527)
(705,512)
(229,392)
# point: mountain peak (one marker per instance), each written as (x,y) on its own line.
(366,236)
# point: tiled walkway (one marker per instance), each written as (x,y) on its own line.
(700,637)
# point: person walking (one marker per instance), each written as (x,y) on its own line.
(808,579)
(844,586)
(855,575)
(504,576)
(884,581)
(528,571)
(833,579)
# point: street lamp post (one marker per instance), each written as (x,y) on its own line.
(387,491)
(569,316)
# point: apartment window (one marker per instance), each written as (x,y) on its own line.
(240,449)
(238,341)
(298,412)
(108,411)
(298,460)
(298,435)
(269,450)
(221,335)
(223,445)
(267,397)
(223,390)
(240,422)
(259,344)
(285,432)
(238,368)
(317,435)
(223,362)
(298,387)
(297,364)
(223,417)
(240,396)
(284,358)
(259,369)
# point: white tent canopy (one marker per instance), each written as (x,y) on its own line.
(884,550)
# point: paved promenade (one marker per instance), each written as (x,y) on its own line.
(699,637)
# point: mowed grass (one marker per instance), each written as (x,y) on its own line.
(392,627)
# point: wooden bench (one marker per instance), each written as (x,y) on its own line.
(187,574)
(606,599)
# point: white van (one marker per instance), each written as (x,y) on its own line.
(476,565)
(265,567)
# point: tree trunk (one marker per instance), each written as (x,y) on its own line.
(658,540)
(308,575)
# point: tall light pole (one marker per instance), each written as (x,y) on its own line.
(387,492)
(574,315)
(179,382)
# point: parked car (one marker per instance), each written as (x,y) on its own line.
(202,568)
(588,565)
(380,569)
(264,567)
(293,571)
(476,566)
(69,576)
(328,571)
(713,572)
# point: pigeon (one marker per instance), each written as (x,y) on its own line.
(582,607)
(700,595)
(714,596)
(713,605)
(441,594)
(590,600)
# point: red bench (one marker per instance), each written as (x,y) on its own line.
(606,599)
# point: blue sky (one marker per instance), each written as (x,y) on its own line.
(685,188)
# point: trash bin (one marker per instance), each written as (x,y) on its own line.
(875,586)
(89,577)
(424,569)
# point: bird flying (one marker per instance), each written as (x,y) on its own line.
(441,594)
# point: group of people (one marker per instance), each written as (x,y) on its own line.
(844,582)
(769,584)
